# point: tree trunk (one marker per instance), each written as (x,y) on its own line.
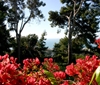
(69,47)
(18,35)
(18,44)
(71,28)
(69,41)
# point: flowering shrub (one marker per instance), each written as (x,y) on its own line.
(83,70)
(30,74)
(34,72)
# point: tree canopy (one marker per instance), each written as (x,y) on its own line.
(80,19)
(31,47)
(18,18)
(42,45)
(5,40)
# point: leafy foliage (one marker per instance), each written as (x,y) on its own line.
(41,45)
(80,19)
(5,40)
(18,18)
(31,47)
(28,44)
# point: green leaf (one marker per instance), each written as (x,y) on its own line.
(96,75)
(51,77)
(92,78)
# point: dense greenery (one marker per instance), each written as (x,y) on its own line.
(5,39)
(31,47)
(80,19)
(17,15)
(41,45)
(61,53)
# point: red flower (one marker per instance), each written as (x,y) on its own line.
(37,61)
(31,80)
(65,83)
(60,75)
(50,60)
(97,41)
(70,70)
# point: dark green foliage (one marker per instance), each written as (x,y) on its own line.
(28,44)
(56,19)
(18,18)
(17,12)
(41,45)
(31,47)
(5,43)
(60,49)
(80,18)
(86,21)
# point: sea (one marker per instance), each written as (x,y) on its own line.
(51,42)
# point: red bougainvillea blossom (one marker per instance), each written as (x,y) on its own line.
(97,41)
(83,70)
(48,72)
(60,75)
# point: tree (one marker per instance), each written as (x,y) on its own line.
(76,16)
(28,44)
(41,45)
(5,40)
(17,15)
(31,47)
(60,52)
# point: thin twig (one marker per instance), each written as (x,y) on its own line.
(79,8)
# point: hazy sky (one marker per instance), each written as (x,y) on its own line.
(34,27)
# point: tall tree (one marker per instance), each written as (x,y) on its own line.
(31,47)
(60,52)
(18,17)
(41,45)
(28,44)
(4,33)
(78,19)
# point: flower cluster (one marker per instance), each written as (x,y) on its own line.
(33,72)
(55,74)
(12,74)
(97,41)
(83,70)
(50,65)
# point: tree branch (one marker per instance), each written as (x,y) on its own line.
(74,7)
(16,26)
(22,27)
(79,8)
(16,21)
(68,17)
(21,24)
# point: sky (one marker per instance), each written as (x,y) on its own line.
(35,27)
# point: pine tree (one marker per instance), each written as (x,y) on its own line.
(28,44)
(80,18)
(18,15)
(42,45)
(4,33)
